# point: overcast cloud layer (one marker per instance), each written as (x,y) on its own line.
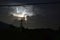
(47,16)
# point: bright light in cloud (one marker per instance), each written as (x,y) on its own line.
(22,12)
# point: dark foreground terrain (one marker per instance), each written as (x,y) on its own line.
(9,32)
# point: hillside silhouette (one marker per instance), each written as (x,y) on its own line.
(10,32)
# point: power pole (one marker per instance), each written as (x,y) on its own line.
(21,25)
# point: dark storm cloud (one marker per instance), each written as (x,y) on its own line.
(4,15)
(51,18)
(34,1)
(28,1)
(47,15)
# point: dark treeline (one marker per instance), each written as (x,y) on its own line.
(9,32)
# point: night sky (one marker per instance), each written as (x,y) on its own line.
(47,15)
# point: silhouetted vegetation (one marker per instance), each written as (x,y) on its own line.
(10,32)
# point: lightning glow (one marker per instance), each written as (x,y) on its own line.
(22,13)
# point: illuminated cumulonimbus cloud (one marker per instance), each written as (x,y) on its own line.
(22,12)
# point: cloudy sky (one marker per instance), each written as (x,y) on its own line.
(47,15)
